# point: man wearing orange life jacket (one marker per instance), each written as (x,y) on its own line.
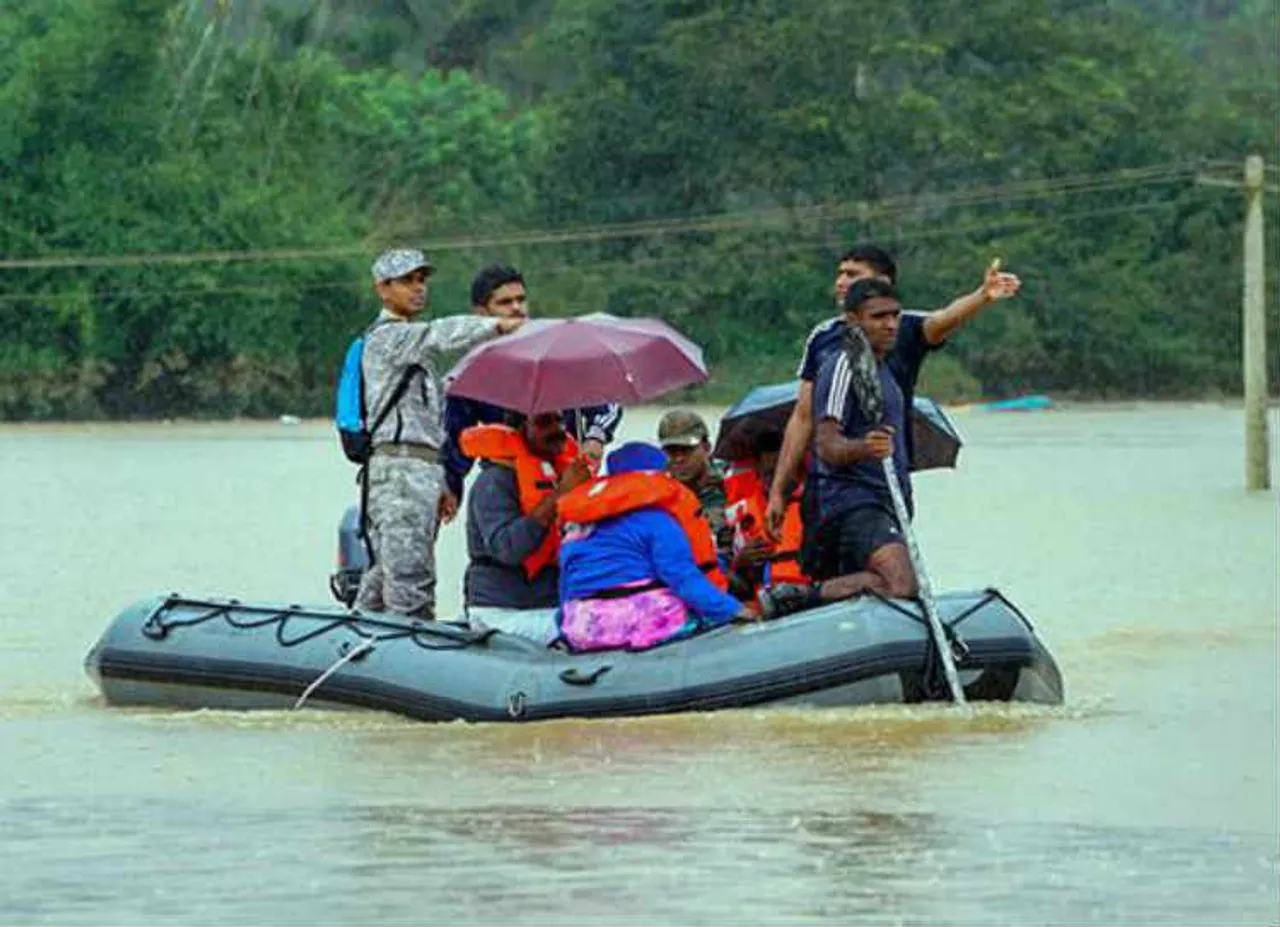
(757,560)
(637,562)
(512,539)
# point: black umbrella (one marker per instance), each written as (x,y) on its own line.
(935,441)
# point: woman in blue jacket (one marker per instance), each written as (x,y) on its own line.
(628,577)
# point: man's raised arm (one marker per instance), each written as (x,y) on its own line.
(995,286)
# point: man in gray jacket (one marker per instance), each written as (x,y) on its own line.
(405,477)
(511,525)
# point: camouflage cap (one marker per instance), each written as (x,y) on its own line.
(682,428)
(397,262)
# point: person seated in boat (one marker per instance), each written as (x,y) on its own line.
(757,559)
(685,440)
(513,574)
(637,563)
(857,545)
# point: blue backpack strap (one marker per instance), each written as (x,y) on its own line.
(351,402)
(352,409)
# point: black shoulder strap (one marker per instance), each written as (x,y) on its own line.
(396,394)
(363,475)
(402,385)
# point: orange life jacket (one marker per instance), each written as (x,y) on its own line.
(742,482)
(535,477)
(747,518)
(607,496)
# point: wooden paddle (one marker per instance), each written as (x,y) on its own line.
(922,580)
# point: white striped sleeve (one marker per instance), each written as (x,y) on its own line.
(610,417)
(808,345)
(841,379)
(600,426)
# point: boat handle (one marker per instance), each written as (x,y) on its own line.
(576,677)
(352,651)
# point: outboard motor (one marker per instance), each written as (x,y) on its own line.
(344,583)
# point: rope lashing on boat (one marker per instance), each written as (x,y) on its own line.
(931,675)
(429,635)
(932,679)
(959,648)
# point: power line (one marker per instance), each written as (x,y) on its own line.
(798,243)
(718,222)
(911,235)
(190,291)
(1237,166)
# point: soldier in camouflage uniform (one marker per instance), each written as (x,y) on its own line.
(686,441)
(405,477)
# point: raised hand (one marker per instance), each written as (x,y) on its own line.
(574,475)
(997,285)
(593,451)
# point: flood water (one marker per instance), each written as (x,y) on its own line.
(1148,798)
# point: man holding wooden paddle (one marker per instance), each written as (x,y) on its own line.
(897,364)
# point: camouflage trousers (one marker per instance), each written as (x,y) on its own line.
(403,494)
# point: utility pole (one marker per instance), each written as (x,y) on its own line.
(1257,451)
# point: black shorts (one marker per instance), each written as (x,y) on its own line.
(844,543)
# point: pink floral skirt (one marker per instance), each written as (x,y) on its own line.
(634,622)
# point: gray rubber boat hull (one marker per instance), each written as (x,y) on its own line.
(171,651)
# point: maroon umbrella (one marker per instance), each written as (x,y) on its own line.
(555,364)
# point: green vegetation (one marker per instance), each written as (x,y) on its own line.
(704,160)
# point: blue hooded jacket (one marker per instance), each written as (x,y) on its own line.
(645,544)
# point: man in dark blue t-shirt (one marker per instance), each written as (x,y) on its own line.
(857,536)
(918,335)
(853,542)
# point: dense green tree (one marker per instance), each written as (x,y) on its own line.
(718,106)
(129,129)
(754,139)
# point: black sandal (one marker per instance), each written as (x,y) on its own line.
(788,598)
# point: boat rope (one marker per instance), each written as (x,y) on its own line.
(355,653)
(367,644)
